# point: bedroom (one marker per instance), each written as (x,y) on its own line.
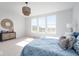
(47,20)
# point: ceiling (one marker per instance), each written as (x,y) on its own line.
(37,8)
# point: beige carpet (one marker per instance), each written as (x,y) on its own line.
(13,47)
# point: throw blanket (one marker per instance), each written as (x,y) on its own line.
(46,47)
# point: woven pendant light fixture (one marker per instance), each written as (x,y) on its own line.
(26,10)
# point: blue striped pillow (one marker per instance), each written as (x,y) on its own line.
(76,47)
(77,39)
(75,34)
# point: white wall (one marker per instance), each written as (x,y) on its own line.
(18,21)
(63,17)
(76,17)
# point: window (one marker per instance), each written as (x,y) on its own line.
(44,24)
(34,25)
(51,24)
(41,22)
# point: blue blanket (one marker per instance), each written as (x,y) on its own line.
(46,47)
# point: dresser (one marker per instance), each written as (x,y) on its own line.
(7,36)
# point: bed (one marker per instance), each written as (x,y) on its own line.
(46,47)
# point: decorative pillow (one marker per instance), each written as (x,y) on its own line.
(77,39)
(75,34)
(66,42)
(76,47)
(63,42)
(71,40)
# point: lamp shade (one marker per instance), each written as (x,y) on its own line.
(26,10)
(69,27)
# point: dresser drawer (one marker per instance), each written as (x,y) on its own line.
(5,36)
(12,35)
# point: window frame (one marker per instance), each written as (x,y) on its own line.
(46,28)
(49,24)
(39,26)
(32,26)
